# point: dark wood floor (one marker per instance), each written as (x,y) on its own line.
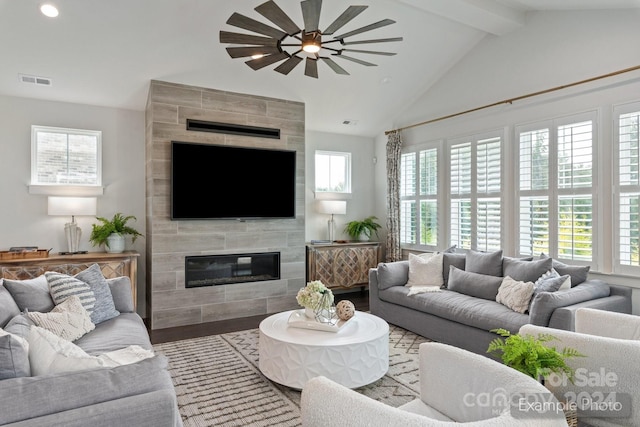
(359,298)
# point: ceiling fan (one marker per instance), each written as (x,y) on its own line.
(287,42)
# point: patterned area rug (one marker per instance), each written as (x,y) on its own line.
(218,382)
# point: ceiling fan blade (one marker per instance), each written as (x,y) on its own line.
(288,65)
(237,38)
(334,66)
(273,13)
(392,39)
(311,68)
(262,62)
(370,51)
(369,27)
(359,61)
(239,52)
(342,20)
(241,21)
(311,14)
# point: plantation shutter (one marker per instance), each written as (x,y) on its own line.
(488,180)
(629,181)
(428,197)
(407,193)
(461,209)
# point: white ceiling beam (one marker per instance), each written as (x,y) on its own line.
(485,15)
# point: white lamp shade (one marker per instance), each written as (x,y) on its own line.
(334,207)
(75,206)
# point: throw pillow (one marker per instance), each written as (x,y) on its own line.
(473,284)
(9,307)
(104,307)
(552,274)
(425,270)
(515,294)
(14,356)
(449,259)
(578,273)
(50,354)
(489,263)
(525,271)
(68,320)
(392,274)
(62,286)
(550,284)
(31,294)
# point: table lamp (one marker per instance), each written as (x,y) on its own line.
(332,207)
(73,206)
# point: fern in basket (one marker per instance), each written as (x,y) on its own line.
(530,356)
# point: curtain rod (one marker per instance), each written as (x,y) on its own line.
(517,98)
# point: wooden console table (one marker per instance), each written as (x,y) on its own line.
(112,265)
(342,265)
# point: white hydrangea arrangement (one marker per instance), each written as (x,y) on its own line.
(310,295)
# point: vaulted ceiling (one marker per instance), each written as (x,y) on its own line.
(105,53)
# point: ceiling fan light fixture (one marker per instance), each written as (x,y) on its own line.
(311,42)
(311,47)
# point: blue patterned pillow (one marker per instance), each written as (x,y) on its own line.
(62,286)
(104,308)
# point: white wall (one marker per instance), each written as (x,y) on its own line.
(23,217)
(553,49)
(361,203)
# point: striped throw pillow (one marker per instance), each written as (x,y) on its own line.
(62,286)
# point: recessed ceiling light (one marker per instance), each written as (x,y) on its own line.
(49,10)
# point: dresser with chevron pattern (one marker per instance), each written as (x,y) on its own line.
(342,265)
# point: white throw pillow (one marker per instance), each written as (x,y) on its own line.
(514,294)
(68,320)
(51,354)
(425,270)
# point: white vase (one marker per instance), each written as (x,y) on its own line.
(115,243)
(363,237)
(309,313)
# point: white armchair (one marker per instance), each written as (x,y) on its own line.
(609,375)
(456,386)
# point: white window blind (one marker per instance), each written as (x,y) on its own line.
(629,187)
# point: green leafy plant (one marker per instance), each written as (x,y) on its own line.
(529,355)
(118,224)
(367,226)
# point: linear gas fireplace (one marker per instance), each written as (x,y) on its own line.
(211,270)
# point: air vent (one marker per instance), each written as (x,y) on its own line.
(35,80)
(350,122)
(232,129)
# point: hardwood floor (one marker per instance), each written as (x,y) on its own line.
(359,298)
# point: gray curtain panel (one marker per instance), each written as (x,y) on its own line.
(394,145)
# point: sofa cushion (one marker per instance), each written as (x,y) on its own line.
(121,294)
(471,311)
(525,271)
(14,356)
(31,294)
(20,326)
(515,294)
(63,286)
(449,259)
(104,307)
(68,320)
(51,354)
(425,270)
(113,334)
(9,307)
(392,274)
(81,388)
(543,304)
(474,284)
(578,273)
(489,263)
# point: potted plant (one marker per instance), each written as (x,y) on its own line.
(530,356)
(362,230)
(112,232)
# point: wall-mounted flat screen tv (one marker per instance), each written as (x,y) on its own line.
(224,182)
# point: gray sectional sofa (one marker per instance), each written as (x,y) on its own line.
(134,394)
(464,311)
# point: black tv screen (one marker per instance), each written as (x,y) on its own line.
(224,182)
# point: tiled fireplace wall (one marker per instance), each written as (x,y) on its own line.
(169,303)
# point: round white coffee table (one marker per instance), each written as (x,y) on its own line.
(354,356)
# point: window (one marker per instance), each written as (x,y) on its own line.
(475,191)
(628,181)
(67,157)
(333,172)
(555,189)
(419,197)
